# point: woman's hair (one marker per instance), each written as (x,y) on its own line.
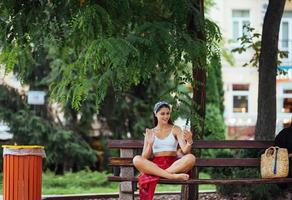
(157,108)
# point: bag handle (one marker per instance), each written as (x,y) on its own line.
(271,148)
(276,159)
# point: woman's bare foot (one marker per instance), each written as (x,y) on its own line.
(183,177)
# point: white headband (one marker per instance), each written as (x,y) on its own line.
(159,104)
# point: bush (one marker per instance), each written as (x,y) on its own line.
(251,192)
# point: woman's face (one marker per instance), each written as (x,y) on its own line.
(163,115)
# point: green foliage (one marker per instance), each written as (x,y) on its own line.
(206,59)
(251,40)
(228,56)
(214,86)
(251,192)
(116,59)
(214,127)
(214,121)
(29,128)
(266,191)
(122,43)
(209,4)
(113,58)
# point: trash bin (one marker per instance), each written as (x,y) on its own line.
(22,172)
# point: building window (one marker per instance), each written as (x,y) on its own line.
(285,35)
(285,39)
(287,101)
(240,104)
(286,124)
(240,98)
(287,107)
(240,18)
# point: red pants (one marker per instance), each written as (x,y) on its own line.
(147,183)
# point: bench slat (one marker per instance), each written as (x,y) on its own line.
(198,144)
(210,181)
(200,162)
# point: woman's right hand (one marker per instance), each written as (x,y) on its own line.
(149,136)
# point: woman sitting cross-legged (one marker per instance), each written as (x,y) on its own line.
(159,156)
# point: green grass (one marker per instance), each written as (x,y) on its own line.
(77,183)
(164,187)
(86,182)
(94,182)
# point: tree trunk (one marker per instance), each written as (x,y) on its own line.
(266,118)
(199,93)
(199,99)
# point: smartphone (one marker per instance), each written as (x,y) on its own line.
(187,126)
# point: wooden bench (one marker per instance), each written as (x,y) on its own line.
(129,148)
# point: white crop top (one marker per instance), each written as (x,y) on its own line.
(168,143)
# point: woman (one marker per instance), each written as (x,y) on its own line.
(161,142)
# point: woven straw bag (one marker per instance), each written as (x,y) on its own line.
(275,163)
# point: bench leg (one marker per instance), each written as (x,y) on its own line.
(126,191)
(133,190)
(126,187)
(191,192)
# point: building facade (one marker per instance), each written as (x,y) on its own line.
(241,83)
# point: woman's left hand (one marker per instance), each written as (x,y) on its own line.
(188,136)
